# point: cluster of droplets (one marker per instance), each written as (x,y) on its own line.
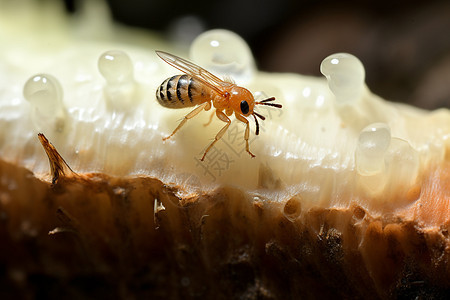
(377,153)
(381,158)
(45,94)
(219,51)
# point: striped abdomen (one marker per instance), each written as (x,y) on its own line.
(182,91)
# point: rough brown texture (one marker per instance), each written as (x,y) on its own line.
(107,241)
(93,235)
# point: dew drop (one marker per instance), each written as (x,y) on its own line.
(373,142)
(345,74)
(45,95)
(44,92)
(223,52)
(403,161)
(116,67)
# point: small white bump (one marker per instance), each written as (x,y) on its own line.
(223,52)
(345,74)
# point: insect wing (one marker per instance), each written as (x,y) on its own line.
(195,71)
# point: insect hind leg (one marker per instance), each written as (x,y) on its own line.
(190,115)
(222,131)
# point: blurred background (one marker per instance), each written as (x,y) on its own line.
(404,45)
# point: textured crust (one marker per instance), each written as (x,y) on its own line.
(94,235)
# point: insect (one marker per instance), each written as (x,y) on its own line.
(198,87)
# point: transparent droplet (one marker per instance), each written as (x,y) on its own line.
(223,52)
(403,161)
(44,92)
(373,142)
(45,95)
(116,67)
(345,74)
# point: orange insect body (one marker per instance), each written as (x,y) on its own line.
(199,87)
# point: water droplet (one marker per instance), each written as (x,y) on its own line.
(116,67)
(223,52)
(44,92)
(345,74)
(373,142)
(45,95)
(403,161)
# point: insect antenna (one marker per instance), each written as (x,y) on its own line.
(259,116)
(256,121)
(264,102)
(268,99)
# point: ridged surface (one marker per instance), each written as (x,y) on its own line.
(137,237)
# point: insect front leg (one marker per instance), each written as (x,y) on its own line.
(246,134)
(222,131)
(190,115)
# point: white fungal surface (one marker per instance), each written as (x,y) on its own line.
(95,101)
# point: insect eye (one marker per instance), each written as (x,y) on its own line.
(244,107)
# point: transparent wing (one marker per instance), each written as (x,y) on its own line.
(195,71)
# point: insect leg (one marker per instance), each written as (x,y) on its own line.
(222,131)
(246,134)
(190,115)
